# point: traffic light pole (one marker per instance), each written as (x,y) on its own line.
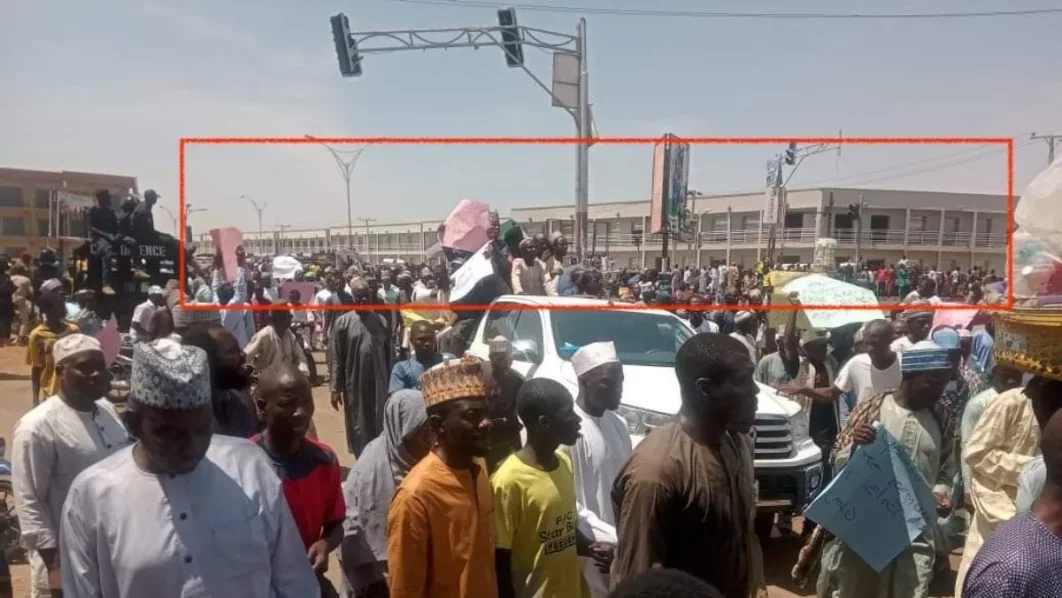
(382,42)
(794,157)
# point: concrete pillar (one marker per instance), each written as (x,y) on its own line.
(729,231)
(906,228)
(940,239)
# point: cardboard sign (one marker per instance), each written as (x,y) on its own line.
(466,226)
(227,240)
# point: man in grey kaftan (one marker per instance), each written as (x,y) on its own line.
(360,363)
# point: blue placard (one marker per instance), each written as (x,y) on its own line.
(878,504)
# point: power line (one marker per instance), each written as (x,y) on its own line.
(648,12)
(862,179)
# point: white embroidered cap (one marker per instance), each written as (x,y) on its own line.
(742,316)
(74,344)
(594,355)
(167,375)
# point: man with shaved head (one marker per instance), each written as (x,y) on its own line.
(426,355)
(361,345)
(308,469)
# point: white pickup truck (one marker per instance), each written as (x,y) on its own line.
(787,462)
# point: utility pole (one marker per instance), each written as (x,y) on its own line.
(259,209)
(368,254)
(794,156)
(1050,139)
(283,228)
(188,211)
(569,89)
(346,168)
(856,212)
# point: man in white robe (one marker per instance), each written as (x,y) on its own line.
(55,442)
(182,512)
(599,454)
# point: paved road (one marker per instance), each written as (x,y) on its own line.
(779,553)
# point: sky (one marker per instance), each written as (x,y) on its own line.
(112,85)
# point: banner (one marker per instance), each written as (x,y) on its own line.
(770,207)
(470,273)
(678,164)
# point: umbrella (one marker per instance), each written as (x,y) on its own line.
(818,289)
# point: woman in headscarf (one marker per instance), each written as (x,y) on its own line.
(382,466)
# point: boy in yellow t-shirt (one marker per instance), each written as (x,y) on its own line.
(52,304)
(536,535)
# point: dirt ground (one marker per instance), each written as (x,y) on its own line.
(779,553)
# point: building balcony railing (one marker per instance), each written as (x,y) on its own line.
(957,239)
(990,240)
(923,237)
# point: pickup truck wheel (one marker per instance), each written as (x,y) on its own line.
(763,525)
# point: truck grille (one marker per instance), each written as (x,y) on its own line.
(773,440)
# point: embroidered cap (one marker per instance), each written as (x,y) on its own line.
(167,375)
(500,345)
(925,356)
(74,344)
(742,316)
(464,378)
(594,355)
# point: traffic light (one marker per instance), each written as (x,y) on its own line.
(346,48)
(853,211)
(512,37)
(790,154)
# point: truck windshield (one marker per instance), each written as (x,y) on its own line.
(641,338)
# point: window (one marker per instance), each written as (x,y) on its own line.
(986,226)
(641,338)
(794,219)
(528,330)
(919,223)
(41,198)
(879,222)
(11,197)
(842,221)
(500,320)
(12,226)
(42,227)
(749,222)
(954,224)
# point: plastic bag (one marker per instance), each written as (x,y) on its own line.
(1036,271)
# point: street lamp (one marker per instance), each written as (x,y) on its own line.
(346,168)
(188,211)
(172,217)
(259,209)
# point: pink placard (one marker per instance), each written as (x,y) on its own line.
(227,240)
(109,340)
(466,226)
(959,318)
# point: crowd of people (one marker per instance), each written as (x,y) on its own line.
(471,481)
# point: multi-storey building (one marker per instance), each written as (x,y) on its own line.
(29,220)
(939,229)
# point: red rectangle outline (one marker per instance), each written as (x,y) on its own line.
(185,141)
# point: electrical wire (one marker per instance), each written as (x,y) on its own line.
(650,12)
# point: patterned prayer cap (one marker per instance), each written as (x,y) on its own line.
(167,375)
(500,345)
(742,316)
(186,318)
(925,356)
(464,378)
(1030,340)
(947,337)
(74,344)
